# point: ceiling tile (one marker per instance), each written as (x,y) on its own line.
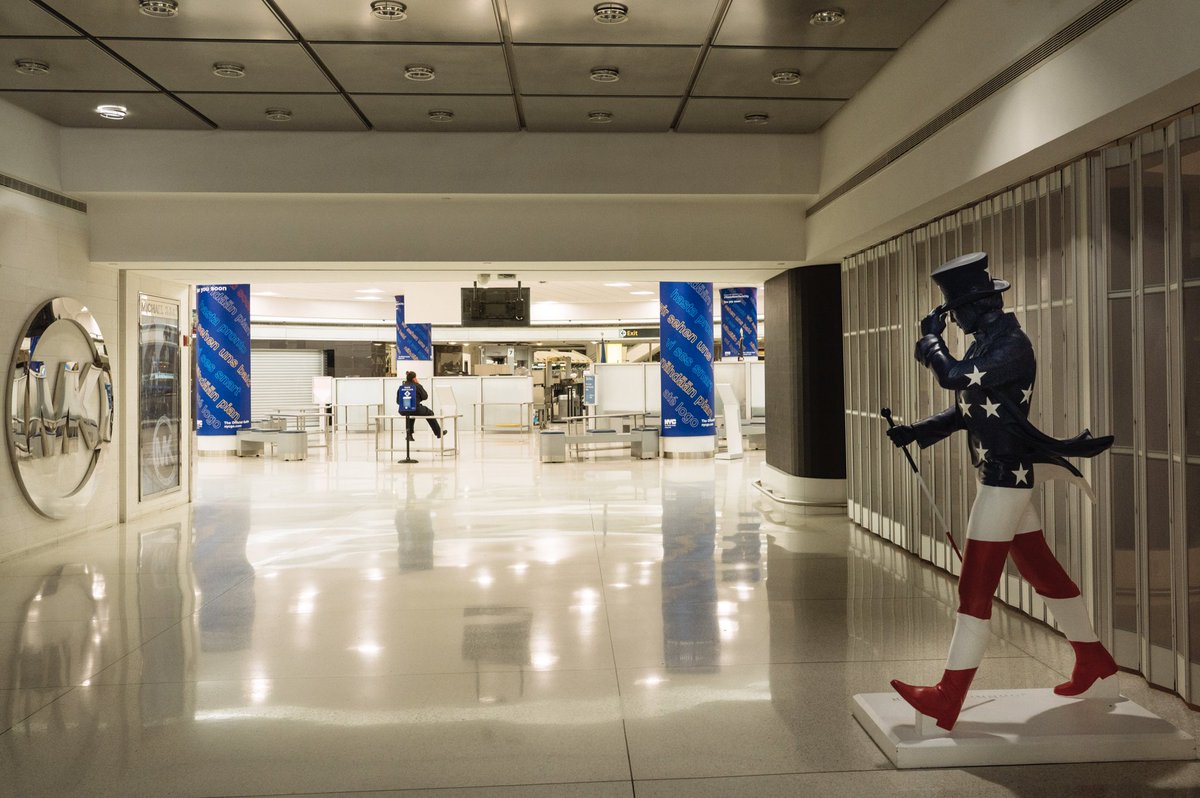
(188,66)
(785,23)
(410,112)
(743,72)
(197,19)
(729,116)
(249,111)
(78,109)
(19,18)
(427,21)
(629,114)
(74,64)
(458,69)
(572,22)
(646,71)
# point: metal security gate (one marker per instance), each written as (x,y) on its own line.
(282,378)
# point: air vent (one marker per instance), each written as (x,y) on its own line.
(757,119)
(418,72)
(158,8)
(28,67)
(610,13)
(389,10)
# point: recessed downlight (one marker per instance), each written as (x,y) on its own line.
(112,111)
(158,8)
(641,293)
(757,119)
(418,72)
(27,66)
(389,10)
(827,17)
(441,115)
(228,69)
(279,114)
(616,285)
(600,117)
(610,13)
(785,77)
(606,74)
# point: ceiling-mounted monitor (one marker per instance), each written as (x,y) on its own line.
(495,307)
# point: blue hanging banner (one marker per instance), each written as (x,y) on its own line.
(222,359)
(686,331)
(413,341)
(739,323)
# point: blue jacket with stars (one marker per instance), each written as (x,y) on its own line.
(993,387)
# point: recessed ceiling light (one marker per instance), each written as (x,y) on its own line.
(610,13)
(616,285)
(641,293)
(389,10)
(29,67)
(263,293)
(418,72)
(756,119)
(158,8)
(826,17)
(368,290)
(112,111)
(279,114)
(606,74)
(441,115)
(785,77)
(600,117)
(228,69)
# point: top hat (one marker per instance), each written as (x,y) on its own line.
(966,279)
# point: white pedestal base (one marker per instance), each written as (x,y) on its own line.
(1021,727)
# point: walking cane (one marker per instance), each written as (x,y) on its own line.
(887,414)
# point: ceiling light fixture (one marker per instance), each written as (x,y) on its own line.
(389,10)
(368,290)
(441,115)
(229,70)
(616,285)
(158,8)
(641,293)
(757,119)
(610,13)
(27,66)
(785,77)
(606,74)
(279,114)
(600,117)
(112,111)
(418,72)
(827,17)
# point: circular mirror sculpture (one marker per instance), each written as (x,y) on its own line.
(59,406)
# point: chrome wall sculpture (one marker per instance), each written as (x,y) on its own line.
(59,407)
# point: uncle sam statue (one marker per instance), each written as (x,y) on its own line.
(993,387)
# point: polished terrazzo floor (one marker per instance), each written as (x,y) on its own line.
(492,626)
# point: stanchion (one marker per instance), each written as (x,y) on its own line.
(407,441)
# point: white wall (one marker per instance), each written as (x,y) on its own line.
(29,147)
(43,254)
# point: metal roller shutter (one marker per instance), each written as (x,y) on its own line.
(282,378)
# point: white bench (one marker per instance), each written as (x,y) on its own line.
(288,444)
(643,442)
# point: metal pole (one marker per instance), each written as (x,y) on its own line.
(887,414)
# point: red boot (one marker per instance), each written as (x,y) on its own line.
(943,701)
(1094,674)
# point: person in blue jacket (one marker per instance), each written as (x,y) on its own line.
(993,389)
(412,393)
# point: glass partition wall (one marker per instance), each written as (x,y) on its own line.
(1104,258)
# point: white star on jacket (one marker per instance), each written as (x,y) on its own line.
(982,452)
(1026,395)
(991,408)
(976,377)
(965,407)
(1021,473)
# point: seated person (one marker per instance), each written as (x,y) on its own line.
(420,395)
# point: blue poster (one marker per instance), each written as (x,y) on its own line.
(406,398)
(413,341)
(686,331)
(739,323)
(222,359)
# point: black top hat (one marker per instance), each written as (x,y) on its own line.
(966,279)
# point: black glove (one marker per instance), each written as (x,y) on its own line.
(934,323)
(902,435)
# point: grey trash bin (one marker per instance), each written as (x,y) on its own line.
(645,443)
(553,446)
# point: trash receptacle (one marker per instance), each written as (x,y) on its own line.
(553,446)
(645,443)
